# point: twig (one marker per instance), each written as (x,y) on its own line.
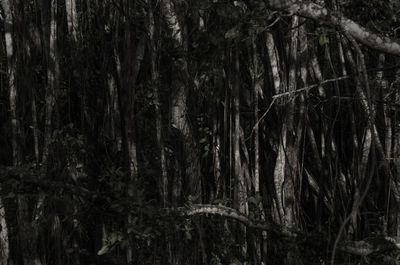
(307,88)
(262,117)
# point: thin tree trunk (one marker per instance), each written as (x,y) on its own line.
(51,86)
(4,242)
(240,187)
(256,75)
(72,18)
(35,127)
(154,47)
(280,163)
(216,157)
(15,124)
(179,116)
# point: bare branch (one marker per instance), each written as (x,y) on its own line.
(307,88)
(335,19)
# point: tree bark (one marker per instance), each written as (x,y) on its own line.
(335,19)
(72,18)
(179,115)
(154,47)
(15,123)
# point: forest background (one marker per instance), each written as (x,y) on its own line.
(199,132)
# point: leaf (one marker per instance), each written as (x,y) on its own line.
(188,235)
(218,201)
(103,250)
(323,40)
(253,200)
(203,140)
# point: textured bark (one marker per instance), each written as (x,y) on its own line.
(44,6)
(291,149)
(13,92)
(163,182)
(51,86)
(274,62)
(216,157)
(72,18)
(335,19)
(35,127)
(280,159)
(15,124)
(256,74)
(240,186)
(130,67)
(4,242)
(179,116)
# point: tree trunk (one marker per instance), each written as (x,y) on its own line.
(72,18)
(179,115)
(15,124)
(154,47)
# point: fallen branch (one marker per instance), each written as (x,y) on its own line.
(208,209)
(370,246)
(360,248)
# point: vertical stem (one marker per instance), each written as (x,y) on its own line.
(50,88)
(4,243)
(240,196)
(11,69)
(35,127)
(72,18)
(157,106)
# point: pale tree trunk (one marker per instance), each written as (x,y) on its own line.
(280,159)
(286,166)
(274,62)
(180,120)
(240,187)
(216,191)
(35,127)
(13,93)
(289,199)
(72,18)
(216,141)
(286,162)
(190,160)
(240,184)
(15,124)
(4,242)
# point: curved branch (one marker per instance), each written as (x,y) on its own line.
(335,19)
(200,209)
(359,248)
